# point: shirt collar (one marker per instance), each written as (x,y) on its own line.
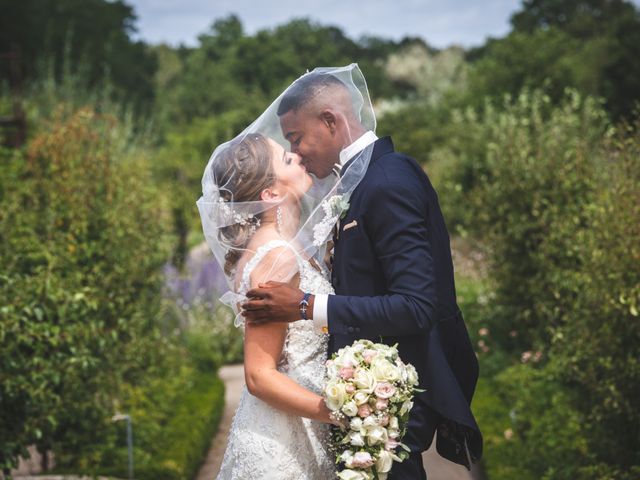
(360,144)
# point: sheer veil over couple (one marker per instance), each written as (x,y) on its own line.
(326,236)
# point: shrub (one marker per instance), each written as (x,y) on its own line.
(555,198)
(513,174)
(82,239)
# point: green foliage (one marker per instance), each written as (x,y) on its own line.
(509,176)
(590,45)
(213,340)
(175,416)
(81,243)
(598,344)
(557,203)
(92,36)
(231,71)
(178,167)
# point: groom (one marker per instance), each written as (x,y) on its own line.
(392,271)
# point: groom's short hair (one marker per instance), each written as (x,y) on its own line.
(306,89)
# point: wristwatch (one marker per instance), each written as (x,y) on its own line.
(304,304)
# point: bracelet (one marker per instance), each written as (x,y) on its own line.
(304,303)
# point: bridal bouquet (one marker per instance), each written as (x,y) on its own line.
(370,391)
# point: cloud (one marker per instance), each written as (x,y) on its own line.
(439,22)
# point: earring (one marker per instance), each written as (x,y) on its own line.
(279,220)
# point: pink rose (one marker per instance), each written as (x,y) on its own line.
(364,410)
(350,388)
(369,355)
(346,373)
(391,445)
(362,460)
(381,403)
(384,390)
(384,420)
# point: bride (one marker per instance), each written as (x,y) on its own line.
(272,435)
(265,218)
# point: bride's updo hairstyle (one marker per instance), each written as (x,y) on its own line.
(242,172)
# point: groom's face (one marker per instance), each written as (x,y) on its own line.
(313,139)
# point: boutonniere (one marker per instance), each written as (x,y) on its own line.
(339,205)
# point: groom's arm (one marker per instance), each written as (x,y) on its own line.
(396,223)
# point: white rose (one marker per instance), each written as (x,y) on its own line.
(384,371)
(336,394)
(393,423)
(361,397)
(364,380)
(376,435)
(350,409)
(393,433)
(406,406)
(385,462)
(404,374)
(346,457)
(353,475)
(370,422)
(356,424)
(347,359)
(332,370)
(355,438)
(412,375)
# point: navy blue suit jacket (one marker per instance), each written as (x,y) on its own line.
(393,278)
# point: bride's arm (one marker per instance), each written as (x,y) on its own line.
(263,347)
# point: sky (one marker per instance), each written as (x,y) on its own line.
(439,22)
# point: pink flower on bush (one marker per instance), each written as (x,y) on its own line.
(364,410)
(384,390)
(526,356)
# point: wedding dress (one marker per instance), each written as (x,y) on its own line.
(265,443)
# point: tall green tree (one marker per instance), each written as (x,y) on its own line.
(88,37)
(590,45)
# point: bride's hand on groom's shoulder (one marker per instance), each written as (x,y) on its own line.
(274,302)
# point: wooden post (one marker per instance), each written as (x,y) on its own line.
(16,125)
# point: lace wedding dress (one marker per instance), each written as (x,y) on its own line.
(266,443)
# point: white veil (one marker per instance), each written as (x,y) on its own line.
(239,217)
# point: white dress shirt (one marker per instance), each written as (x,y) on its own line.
(320,303)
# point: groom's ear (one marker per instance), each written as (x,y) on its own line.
(329,119)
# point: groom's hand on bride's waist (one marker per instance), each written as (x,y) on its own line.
(275,302)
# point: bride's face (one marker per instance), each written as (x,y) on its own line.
(291,175)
